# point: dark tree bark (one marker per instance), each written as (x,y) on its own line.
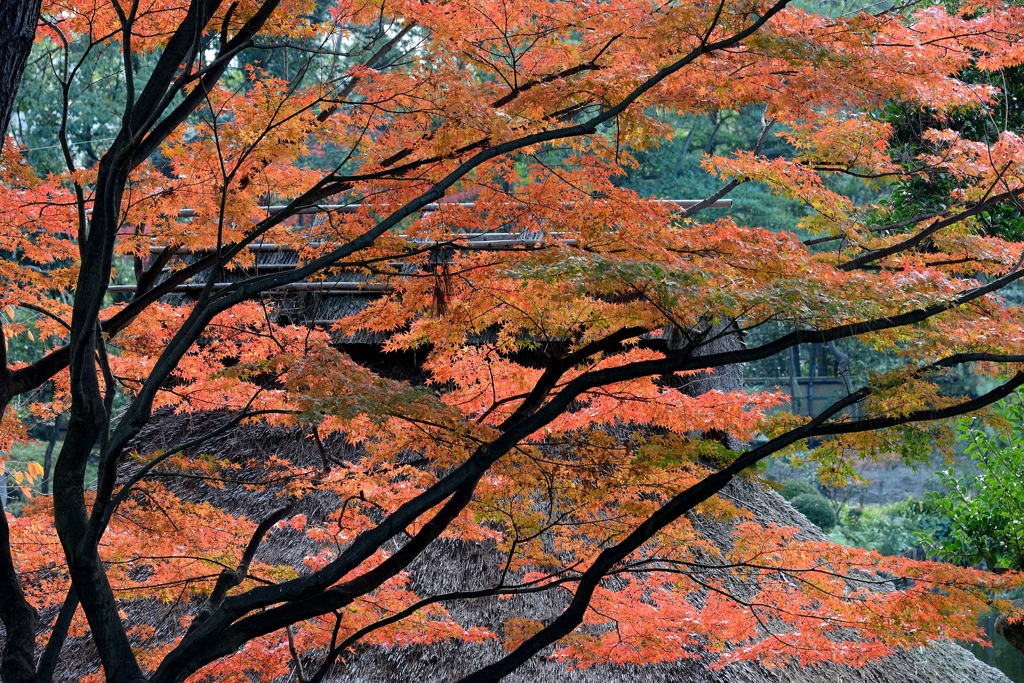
(724,378)
(1012,631)
(18,19)
(19,618)
(17,659)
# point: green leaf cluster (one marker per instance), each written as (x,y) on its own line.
(807,499)
(986,506)
(894,528)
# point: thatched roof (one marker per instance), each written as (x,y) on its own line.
(438,664)
(450,565)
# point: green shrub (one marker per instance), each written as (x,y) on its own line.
(894,528)
(816,508)
(986,506)
(791,488)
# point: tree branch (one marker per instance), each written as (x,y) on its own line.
(682,503)
(912,242)
(59,633)
(228,579)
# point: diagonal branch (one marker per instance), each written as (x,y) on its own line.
(58,634)
(228,579)
(917,239)
(573,615)
(766,126)
(239,42)
(42,370)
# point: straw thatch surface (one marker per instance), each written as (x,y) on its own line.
(450,565)
(942,663)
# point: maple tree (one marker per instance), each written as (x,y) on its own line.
(584,308)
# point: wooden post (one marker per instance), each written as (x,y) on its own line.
(794,371)
(3,483)
(48,458)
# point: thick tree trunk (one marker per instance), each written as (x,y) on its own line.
(725,379)
(1012,631)
(87,421)
(18,616)
(18,19)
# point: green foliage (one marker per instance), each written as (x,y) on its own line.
(987,506)
(816,508)
(892,529)
(791,488)
(807,499)
(41,108)
(673,169)
(918,194)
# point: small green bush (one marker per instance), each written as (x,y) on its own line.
(791,488)
(816,508)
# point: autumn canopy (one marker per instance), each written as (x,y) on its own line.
(471,153)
